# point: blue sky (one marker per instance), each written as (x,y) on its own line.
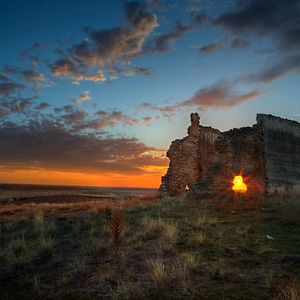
(228,60)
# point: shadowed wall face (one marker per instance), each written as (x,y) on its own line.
(282,147)
(239,152)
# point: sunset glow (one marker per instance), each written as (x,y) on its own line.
(94,92)
(148,180)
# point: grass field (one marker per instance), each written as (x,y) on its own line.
(172,248)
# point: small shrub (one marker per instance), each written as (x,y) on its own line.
(8,226)
(107,213)
(79,265)
(116,225)
(110,277)
(18,253)
(243,230)
(46,246)
(94,247)
(63,280)
(36,284)
(88,223)
(217,270)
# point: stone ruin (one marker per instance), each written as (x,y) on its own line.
(267,155)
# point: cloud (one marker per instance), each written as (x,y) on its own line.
(4,78)
(68,67)
(34,47)
(14,105)
(50,146)
(85,96)
(77,120)
(42,106)
(7,88)
(193,7)
(4,111)
(27,76)
(156,4)
(287,65)
(108,47)
(74,117)
(239,43)
(115,72)
(17,97)
(137,71)
(32,75)
(164,41)
(212,47)
(228,41)
(279,18)
(219,95)
(167,111)
(103,119)
(66,109)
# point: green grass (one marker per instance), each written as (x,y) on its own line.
(171,249)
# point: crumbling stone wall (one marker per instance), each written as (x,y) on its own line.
(266,154)
(189,157)
(282,148)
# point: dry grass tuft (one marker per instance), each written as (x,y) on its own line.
(128,290)
(191,261)
(152,225)
(42,225)
(205,219)
(197,239)
(170,232)
(180,273)
(43,229)
(291,292)
(158,271)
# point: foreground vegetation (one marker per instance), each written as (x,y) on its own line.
(169,249)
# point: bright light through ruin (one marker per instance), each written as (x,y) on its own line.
(239,185)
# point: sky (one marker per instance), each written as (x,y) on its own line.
(93,92)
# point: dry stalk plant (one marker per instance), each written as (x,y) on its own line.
(116,225)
